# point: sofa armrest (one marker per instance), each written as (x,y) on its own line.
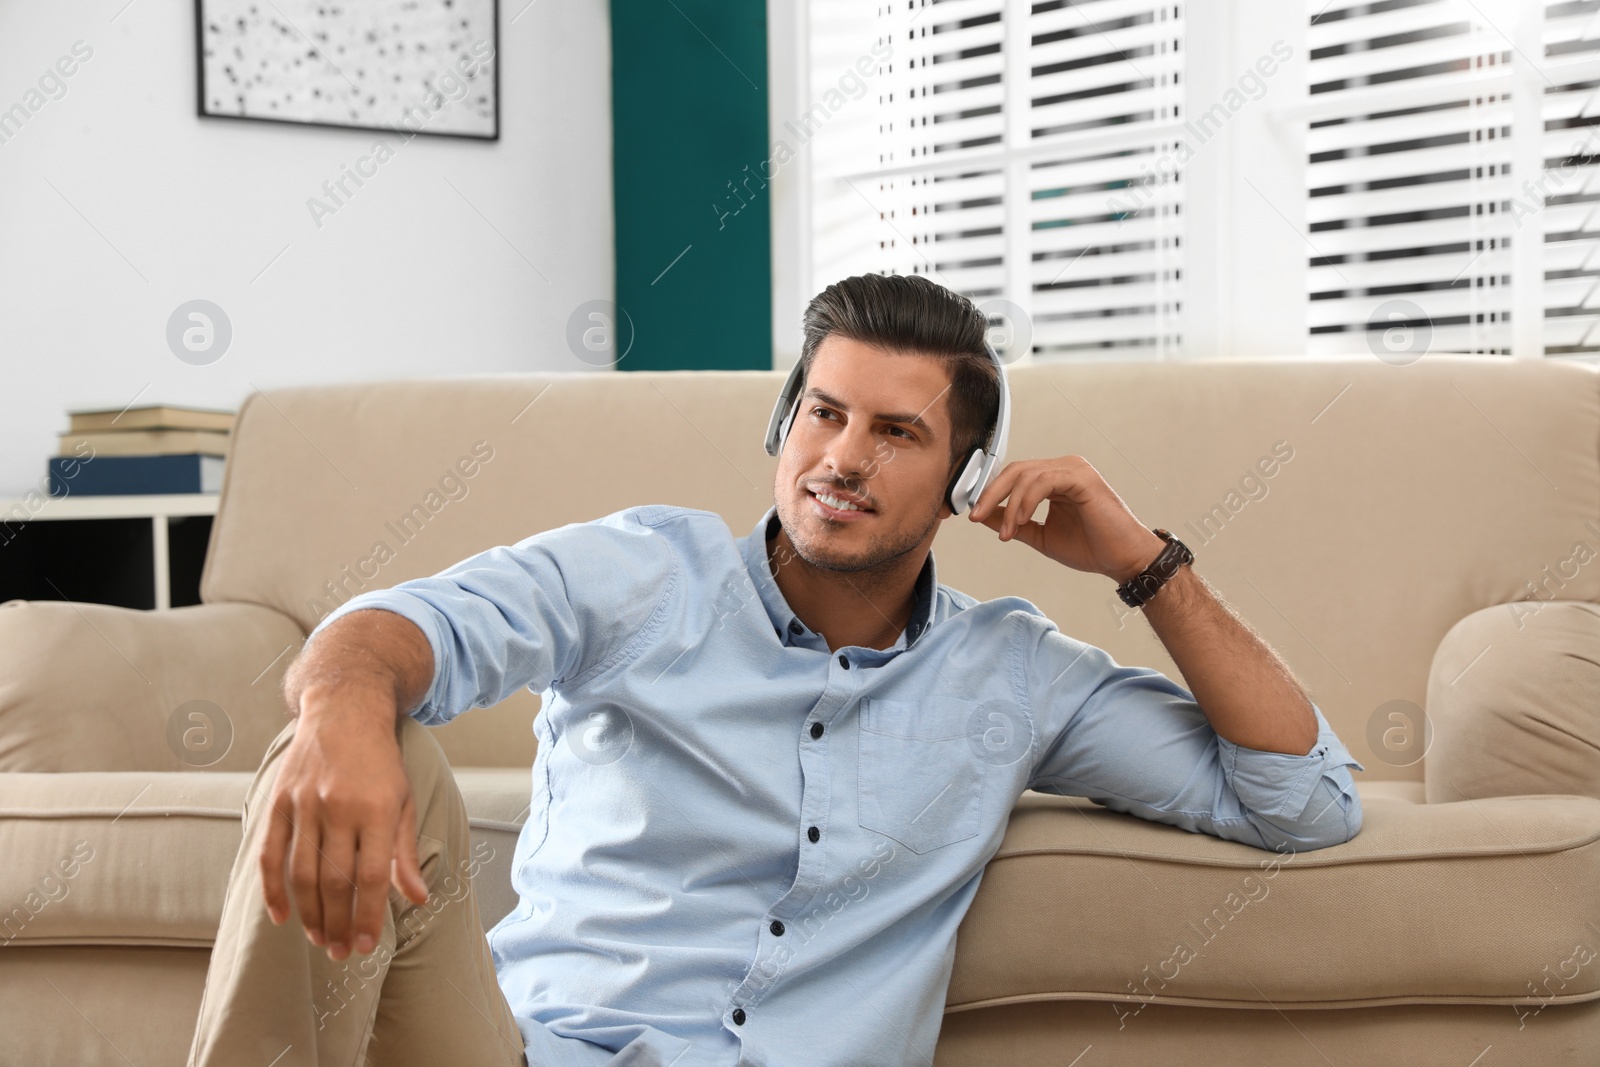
(90,687)
(1514,702)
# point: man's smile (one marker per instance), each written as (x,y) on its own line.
(837,505)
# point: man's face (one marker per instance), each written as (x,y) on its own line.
(862,475)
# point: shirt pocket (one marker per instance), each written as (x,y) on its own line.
(917,780)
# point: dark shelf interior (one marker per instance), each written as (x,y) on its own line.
(100,561)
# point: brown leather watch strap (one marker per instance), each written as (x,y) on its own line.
(1137,591)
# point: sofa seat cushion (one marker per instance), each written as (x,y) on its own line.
(1482,901)
(1487,901)
(127,858)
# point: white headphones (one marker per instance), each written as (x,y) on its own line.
(967,485)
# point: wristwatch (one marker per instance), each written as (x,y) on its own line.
(1136,591)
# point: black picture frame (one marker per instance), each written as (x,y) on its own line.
(200,93)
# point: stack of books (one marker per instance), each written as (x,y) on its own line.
(159,449)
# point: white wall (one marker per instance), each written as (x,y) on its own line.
(118,203)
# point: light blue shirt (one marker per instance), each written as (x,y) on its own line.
(744,848)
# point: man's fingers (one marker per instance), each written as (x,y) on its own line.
(407,872)
(1029,533)
(1025,497)
(336,879)
(374,848)
(996,490)
(305,864)
(280,828)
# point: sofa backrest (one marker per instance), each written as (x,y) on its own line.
(1350,510)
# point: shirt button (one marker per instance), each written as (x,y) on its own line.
(738,1016)
(813,833)
(844,663)
(777,928)
(816,730)
(794,626)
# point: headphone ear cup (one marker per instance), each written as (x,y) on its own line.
(783,412)
(788,421)
(959,494)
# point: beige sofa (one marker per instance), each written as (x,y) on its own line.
(1377,524)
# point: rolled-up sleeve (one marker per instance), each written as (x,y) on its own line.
(555,607)
(1135,741)
(1307,799)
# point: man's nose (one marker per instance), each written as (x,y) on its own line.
(849,454)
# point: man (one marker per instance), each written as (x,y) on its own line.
(770,770)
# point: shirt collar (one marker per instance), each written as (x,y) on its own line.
(788,627)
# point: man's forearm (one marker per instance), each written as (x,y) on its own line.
(367,651)
(1246,691)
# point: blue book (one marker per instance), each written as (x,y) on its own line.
(190,472)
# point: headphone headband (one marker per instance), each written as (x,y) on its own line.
(968,483)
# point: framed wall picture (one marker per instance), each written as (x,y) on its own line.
(416,66)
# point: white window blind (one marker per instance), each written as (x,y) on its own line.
(1568,207)
(1019,153)
(1452,176)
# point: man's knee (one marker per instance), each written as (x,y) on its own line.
(443,833)
(427,767)
(267,773)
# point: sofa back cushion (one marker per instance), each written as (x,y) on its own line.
(1352,511)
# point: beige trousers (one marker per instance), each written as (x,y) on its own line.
(426,994)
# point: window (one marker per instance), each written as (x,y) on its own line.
(1018,153)
(1113,181)
(1451,175)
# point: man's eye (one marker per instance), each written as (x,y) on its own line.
(901,432)
(821,411)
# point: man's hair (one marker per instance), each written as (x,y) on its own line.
(906,314)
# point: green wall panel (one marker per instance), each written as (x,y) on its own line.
(689,151)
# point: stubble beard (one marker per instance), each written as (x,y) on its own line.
(876,560)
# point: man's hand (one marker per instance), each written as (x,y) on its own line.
(343,823)
(1087,526)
